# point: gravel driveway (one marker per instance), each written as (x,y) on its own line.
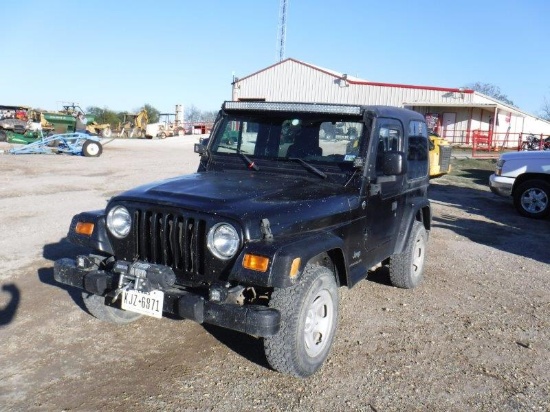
(474,336)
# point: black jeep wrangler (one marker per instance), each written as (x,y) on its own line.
(272,223)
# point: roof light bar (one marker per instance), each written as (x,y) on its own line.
(294,107)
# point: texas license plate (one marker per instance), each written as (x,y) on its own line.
(149,304)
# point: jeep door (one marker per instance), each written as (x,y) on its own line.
(384,196)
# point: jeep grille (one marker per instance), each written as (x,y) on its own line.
(170,239)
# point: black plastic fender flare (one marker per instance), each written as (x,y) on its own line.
(421,211)
(281,253)
(99,239)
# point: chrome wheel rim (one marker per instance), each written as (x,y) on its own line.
(534,200)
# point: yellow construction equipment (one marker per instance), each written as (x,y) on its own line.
(440,155)
(134,124)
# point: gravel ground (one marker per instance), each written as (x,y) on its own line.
(473,336)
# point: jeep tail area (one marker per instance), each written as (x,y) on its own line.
(277,217)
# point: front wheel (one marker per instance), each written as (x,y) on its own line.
(309,317)
(91,148)
(531,199)
(97,307)
(407,267)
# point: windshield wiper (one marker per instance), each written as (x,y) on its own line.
(251,164)
(309,167)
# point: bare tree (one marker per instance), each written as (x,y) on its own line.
(192,114)
(490,90)
(545,109)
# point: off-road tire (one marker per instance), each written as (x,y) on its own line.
(96,306)
(407,267)
(532,199)
(92,148)
(309,318)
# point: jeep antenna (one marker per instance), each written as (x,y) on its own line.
(281,32)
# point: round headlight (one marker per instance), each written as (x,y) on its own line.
(223,241)
(119,221)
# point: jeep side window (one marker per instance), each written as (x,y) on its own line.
(390,139)
(417,154)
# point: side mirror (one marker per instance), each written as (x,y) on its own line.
(394,163)
(200,147)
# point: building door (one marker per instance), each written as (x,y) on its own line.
(449,120)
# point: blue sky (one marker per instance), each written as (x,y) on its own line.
(123,54)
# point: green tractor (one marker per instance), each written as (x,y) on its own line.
(65,122)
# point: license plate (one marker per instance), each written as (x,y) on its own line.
(149,304)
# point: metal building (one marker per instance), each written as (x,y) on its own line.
(458,114)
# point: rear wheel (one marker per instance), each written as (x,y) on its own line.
(107,132)
(97,307)
(531,199)
(309,317)
(407,267)
(91,148)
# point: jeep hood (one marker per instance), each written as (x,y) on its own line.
(248,197)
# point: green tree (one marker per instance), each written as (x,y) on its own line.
(490,90)
(103,115)
(152,113)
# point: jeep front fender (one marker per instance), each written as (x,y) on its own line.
(281,253)
(98,240)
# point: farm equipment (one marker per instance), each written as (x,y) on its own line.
(440,155)
(163,128)
(69,143)
(134,125)
(169,124)
(65,122)
(24,137)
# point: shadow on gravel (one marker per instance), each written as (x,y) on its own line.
(478,176)
(381,276)
(54,251)
(7,313)
(494,221)
(247,346)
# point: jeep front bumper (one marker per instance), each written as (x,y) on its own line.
(254,320)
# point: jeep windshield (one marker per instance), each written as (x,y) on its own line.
(311,140)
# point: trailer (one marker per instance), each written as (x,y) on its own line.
(80,144)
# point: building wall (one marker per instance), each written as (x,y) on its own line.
(292,80)
(295,81)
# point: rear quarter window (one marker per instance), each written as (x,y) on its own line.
(417,151)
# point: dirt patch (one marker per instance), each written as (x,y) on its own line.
(473,336)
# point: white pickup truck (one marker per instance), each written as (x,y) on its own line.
(526,177)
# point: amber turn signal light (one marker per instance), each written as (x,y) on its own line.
(255,262)
(84,228)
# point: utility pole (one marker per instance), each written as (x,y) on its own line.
(281,32)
